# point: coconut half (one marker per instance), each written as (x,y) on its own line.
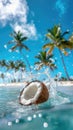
(34,92)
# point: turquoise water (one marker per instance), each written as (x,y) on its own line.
(55,114)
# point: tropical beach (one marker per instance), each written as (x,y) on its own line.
(19,84)
(12,84)
(36,65)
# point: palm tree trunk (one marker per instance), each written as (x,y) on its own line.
(65,69)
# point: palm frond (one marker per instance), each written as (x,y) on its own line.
(50,56)
(48,45)
(50,50)
(39,66)
(25,47)
(63,50)
(14,48)
(23,39)
(38,57)
(66,32)
(37,63)
(71,38)
(55,32)
(50,36)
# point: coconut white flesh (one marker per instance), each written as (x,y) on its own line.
(31,93)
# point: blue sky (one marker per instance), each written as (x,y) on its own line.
(33,18)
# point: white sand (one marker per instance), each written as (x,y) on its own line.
(65,83)
(60,83)
(12,84)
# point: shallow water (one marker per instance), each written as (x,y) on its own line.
(55,114)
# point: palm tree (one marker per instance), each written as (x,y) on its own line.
(12,65)
(2,63)
(16,65)
(19,65)
(45,60)
(2,76)
(58,41)
(71,41)
(18,39)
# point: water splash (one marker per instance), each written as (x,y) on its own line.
(56,99)
(51,84)
(11,94)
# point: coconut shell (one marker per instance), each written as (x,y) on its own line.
(43,96)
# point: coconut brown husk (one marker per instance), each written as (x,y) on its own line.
(43,96)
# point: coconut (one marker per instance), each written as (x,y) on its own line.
(35,92)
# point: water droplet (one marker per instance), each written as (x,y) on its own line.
(10,50)
(34,116)
(39,115)
(17,120)
(9,123)
(29,118)
(5,46)
(45,124)
(17,51)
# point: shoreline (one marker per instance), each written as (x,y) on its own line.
(19,84)
(65,83)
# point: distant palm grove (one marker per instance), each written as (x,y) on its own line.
(55,38)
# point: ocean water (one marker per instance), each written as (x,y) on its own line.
(55,114)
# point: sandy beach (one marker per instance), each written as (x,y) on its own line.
(18,84)
(65,83)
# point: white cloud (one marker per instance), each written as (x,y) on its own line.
(27,29)
(14,12)
(13,9)
(60,6)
